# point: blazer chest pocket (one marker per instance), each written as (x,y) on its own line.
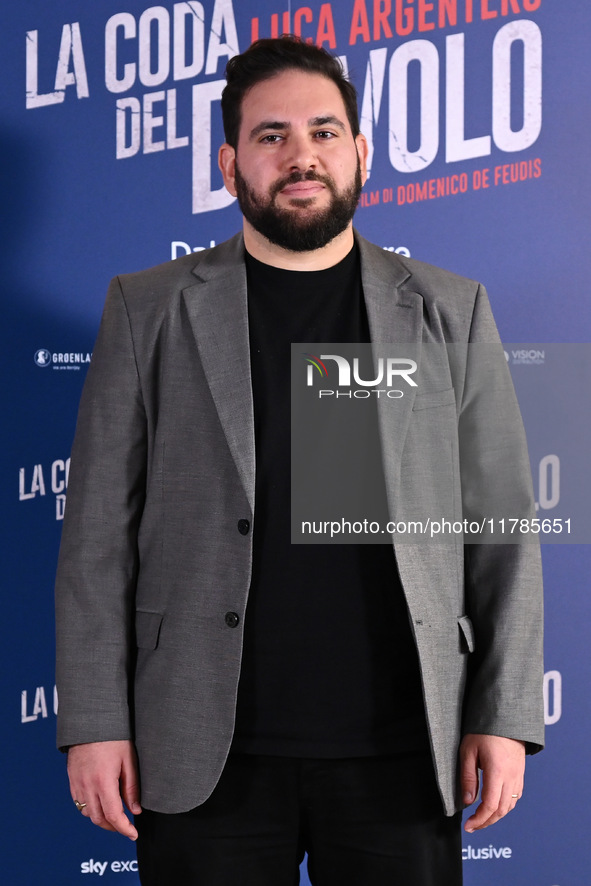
(466,634)
(432,399)
(147,629)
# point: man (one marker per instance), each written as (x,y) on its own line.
(327,716)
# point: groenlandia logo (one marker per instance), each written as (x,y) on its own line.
(61,359)
(42,357)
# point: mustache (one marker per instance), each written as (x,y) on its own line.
(295,177)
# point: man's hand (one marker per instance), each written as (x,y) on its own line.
(502,761)
(101,773)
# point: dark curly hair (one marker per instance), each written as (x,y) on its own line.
(268,57)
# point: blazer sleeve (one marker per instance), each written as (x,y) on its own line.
(504,693)
(98,560)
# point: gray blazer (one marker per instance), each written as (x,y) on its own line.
(152,563)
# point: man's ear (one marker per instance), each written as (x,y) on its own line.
(227,164)
(362,151)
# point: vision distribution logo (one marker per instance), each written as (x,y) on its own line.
(525,356)
(388,371)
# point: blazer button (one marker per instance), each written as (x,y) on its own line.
(232,619)
(243,527)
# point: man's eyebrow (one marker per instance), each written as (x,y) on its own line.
(268,124)
(328,119)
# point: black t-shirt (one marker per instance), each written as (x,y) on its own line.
(329,667)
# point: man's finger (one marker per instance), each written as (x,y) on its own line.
(106,811)
(116,820)
(469,774)
(487,811)
(110,814)
(129,784)
(90,807)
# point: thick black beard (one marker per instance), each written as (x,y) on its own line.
(290,229)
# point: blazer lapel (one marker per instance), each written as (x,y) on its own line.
(217,309)
(395,317)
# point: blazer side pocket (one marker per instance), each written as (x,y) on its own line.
(467,643)
(147,629)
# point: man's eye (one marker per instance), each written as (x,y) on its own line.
(270,139)
(324,134)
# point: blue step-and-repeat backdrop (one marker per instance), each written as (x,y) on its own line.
(477,114)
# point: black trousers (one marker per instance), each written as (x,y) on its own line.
(368,821)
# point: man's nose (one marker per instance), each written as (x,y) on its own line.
(301,155)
